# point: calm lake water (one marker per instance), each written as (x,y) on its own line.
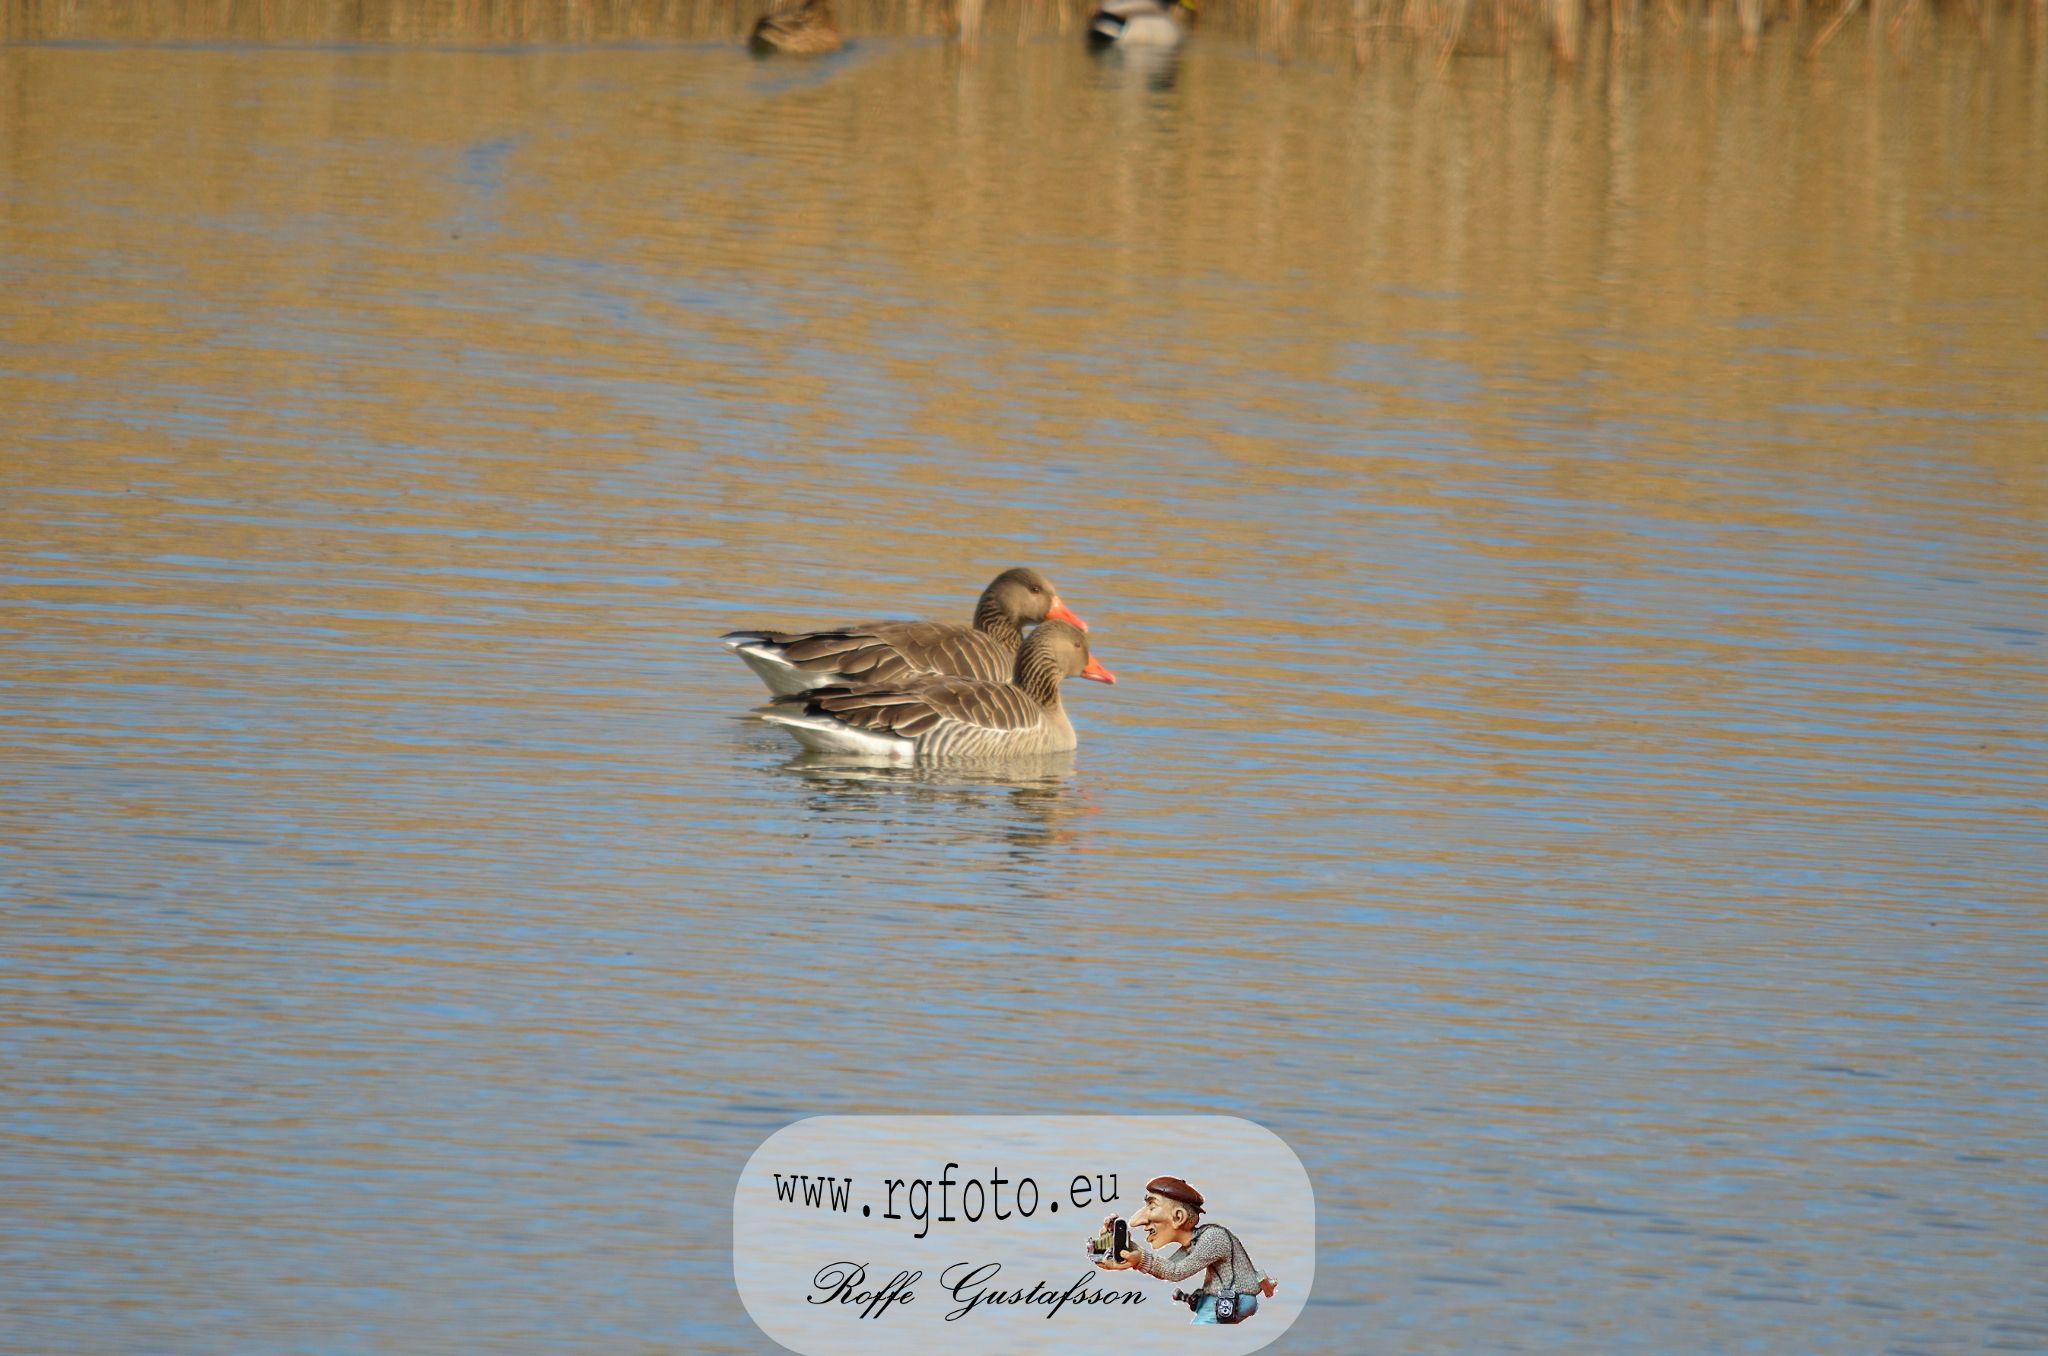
(1572,547)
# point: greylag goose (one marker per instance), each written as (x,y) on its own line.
(807,30)
(950,718)
(898,651)
(1140,23)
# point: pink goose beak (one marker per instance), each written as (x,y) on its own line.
(1059,611)
(1096,672)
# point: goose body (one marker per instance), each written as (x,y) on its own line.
(808,30)
(1139,23)
(937,719)
(897,652)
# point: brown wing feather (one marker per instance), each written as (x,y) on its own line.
(893,652)
(920,708)
(942,648)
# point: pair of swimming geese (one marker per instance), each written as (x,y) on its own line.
(924,691)
(809,29)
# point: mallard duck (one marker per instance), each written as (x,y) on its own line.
(807,30)
(1141,23)
(900,651)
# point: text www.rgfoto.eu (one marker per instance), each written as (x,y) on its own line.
(996,1197)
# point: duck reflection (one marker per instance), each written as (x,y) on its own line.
(1031,804)
(1155,69)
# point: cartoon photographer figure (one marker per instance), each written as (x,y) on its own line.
(1231,1285)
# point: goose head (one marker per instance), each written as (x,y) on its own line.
(1056,652)
(1024,597)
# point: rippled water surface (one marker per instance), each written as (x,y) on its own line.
(1572,547)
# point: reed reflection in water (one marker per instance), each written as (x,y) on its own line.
(1570,547)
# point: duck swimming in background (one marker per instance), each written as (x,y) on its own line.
(807,30)
(1141,23)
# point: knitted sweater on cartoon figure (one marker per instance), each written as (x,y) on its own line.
(1213,1249)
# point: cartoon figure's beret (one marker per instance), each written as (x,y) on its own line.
(1173,1189)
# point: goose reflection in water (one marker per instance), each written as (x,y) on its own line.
(1032,803)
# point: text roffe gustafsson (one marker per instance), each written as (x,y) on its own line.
(973,1285)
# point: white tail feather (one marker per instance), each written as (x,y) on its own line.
(783,678)
(822,734)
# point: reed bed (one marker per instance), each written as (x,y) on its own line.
(1362,30)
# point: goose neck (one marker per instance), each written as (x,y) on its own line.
(993,621)
(1038,673)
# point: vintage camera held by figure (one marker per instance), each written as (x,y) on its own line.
(1113,1242)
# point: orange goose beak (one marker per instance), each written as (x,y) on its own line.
(1059,611)
(1098,673)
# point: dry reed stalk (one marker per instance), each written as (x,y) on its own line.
(1566,18)
(1438,28)
(1276,24)
(1749,17)
(1447,42)
(1833,26)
